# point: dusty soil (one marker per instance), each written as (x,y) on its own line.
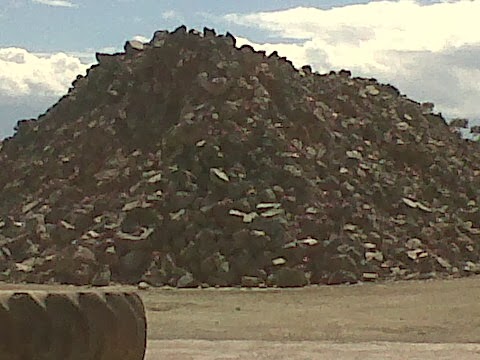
(429,317)
(435,312)
(306,350)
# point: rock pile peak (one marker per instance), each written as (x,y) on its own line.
(188,160)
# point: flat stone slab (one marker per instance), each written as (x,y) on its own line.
(306,350)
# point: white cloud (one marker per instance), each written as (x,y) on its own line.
(141,38)
(169,14)
(429,51)
(28,74)
(173,15)
(108,49)
(61,3)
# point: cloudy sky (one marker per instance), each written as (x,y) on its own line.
(430,50)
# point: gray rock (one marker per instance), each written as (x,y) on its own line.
(232,41)
(142,285)
(475,129)
(158,39)
(209,32)
(102,277)
(459,123)
(342,277)
(370,276)
(472,267)
(134,45)
(427,275)
(84,255)
(134,262)
(186,281)
(181,30)
(251,281)
(287,277)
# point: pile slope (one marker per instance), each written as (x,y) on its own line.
(189,161)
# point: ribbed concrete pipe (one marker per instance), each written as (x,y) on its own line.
(83,325)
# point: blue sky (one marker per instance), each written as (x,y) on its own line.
(100,24)
(428,49)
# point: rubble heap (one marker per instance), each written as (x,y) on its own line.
(189,161)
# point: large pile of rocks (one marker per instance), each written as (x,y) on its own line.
(189,161)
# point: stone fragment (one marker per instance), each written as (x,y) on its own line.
(279,261)
(186,281)
(134,263)
(372,90)
(287,277)
(443,262)
(370,276)
(84,255)
(142,285)
(475,129)
(251,281)
(220,174)
(102,277)
(134,45)
(414,244)
(472,267)
(342,277)
(459,123)
(374,255)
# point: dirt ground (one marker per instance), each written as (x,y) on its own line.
(437,319)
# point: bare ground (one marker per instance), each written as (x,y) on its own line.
(306,350)
(437,319)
